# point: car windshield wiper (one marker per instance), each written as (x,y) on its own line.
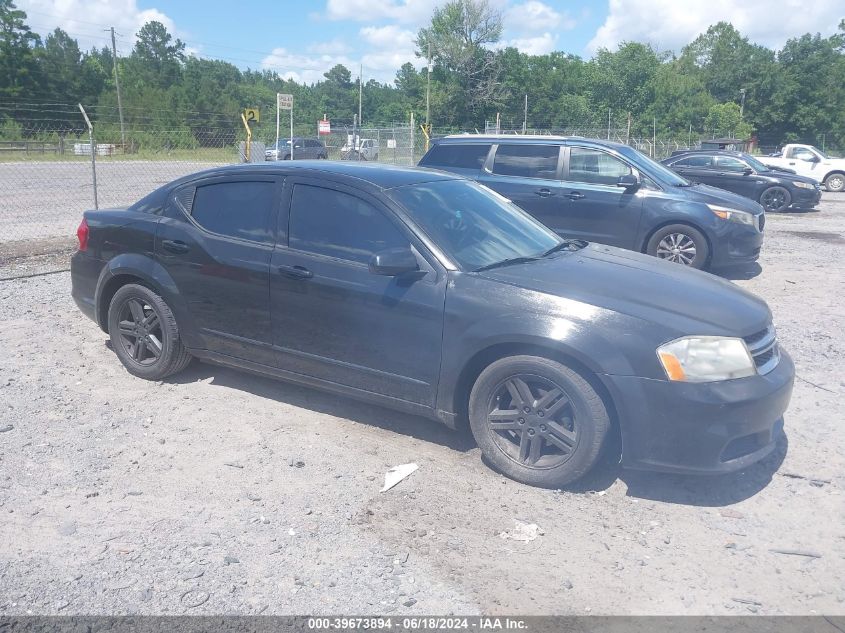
(578,244)
(506,262)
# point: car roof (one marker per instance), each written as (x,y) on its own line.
(376,174)
(715,152)
(529,139)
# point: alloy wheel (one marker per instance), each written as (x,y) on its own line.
(678,248)
(140,331)
(836,183)
(774,199)
(532,421)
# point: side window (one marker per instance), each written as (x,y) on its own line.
(694,161)
(333,223)
(594,166)
(462,156)
(728,163)
(236,209)
(528,161)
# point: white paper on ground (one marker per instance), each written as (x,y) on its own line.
(397,474)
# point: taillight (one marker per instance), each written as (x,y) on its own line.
(82,235)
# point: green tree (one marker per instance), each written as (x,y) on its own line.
(18,64)
(458,38)
(724,119)
(156,58)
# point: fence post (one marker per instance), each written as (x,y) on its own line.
(93,153)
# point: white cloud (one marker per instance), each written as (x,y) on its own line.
(333,47)
(534,45)
(85,19)
(404,11)
(535,17)
(669,24)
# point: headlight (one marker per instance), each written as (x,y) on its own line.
(706,358)
(803,185)
(732,215)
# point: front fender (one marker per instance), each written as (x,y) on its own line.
(152,274)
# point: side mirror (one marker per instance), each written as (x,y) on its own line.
(628,181)
(747,171)
(393,262)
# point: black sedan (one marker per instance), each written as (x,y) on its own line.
(431,294)
(747,176)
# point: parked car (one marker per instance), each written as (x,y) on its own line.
(747,176)
(428,293)
(809,161)
(362,149)
(303,148)
(609,193)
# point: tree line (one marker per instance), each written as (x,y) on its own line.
(719,83)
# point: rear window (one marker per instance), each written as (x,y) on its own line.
(462,156)
(528,161)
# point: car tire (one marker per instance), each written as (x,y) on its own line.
(134,310)
(776,199)
(835,182)
(681,244)
(550,441)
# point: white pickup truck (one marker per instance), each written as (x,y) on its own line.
(807,160)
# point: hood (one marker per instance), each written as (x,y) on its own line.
(683,300)
(784,174)
(714,195)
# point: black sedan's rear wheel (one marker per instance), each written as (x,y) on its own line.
(776,199)
(144,334)
(681,244)
(537,421)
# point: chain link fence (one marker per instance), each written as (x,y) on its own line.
(48,175)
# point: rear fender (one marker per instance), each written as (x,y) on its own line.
(152,274)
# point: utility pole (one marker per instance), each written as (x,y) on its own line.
(742,102)
(525,116)
(360,91)
(117,87)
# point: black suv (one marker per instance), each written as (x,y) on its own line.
(609,193)
(747,176)
(425,292)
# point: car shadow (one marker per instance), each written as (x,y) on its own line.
(739,272)
(326,403)
(694,490)
(710,491)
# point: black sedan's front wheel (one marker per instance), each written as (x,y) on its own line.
(681,244)
(537,421)
(776,199)
(144,334)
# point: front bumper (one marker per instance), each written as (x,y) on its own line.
(806,198)
(701,428)
(736,244)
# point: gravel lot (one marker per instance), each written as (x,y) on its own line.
(220,492)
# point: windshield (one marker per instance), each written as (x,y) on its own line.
(653,168)
(474,226)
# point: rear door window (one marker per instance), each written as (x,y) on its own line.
(527,161)
(595,166)
(235,209)
(459,156)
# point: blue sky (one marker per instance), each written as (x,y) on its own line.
(301,40)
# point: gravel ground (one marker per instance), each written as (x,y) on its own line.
(220,492)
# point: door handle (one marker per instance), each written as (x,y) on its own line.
(175,246)
(544,192)
(575,195)
(296,272)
